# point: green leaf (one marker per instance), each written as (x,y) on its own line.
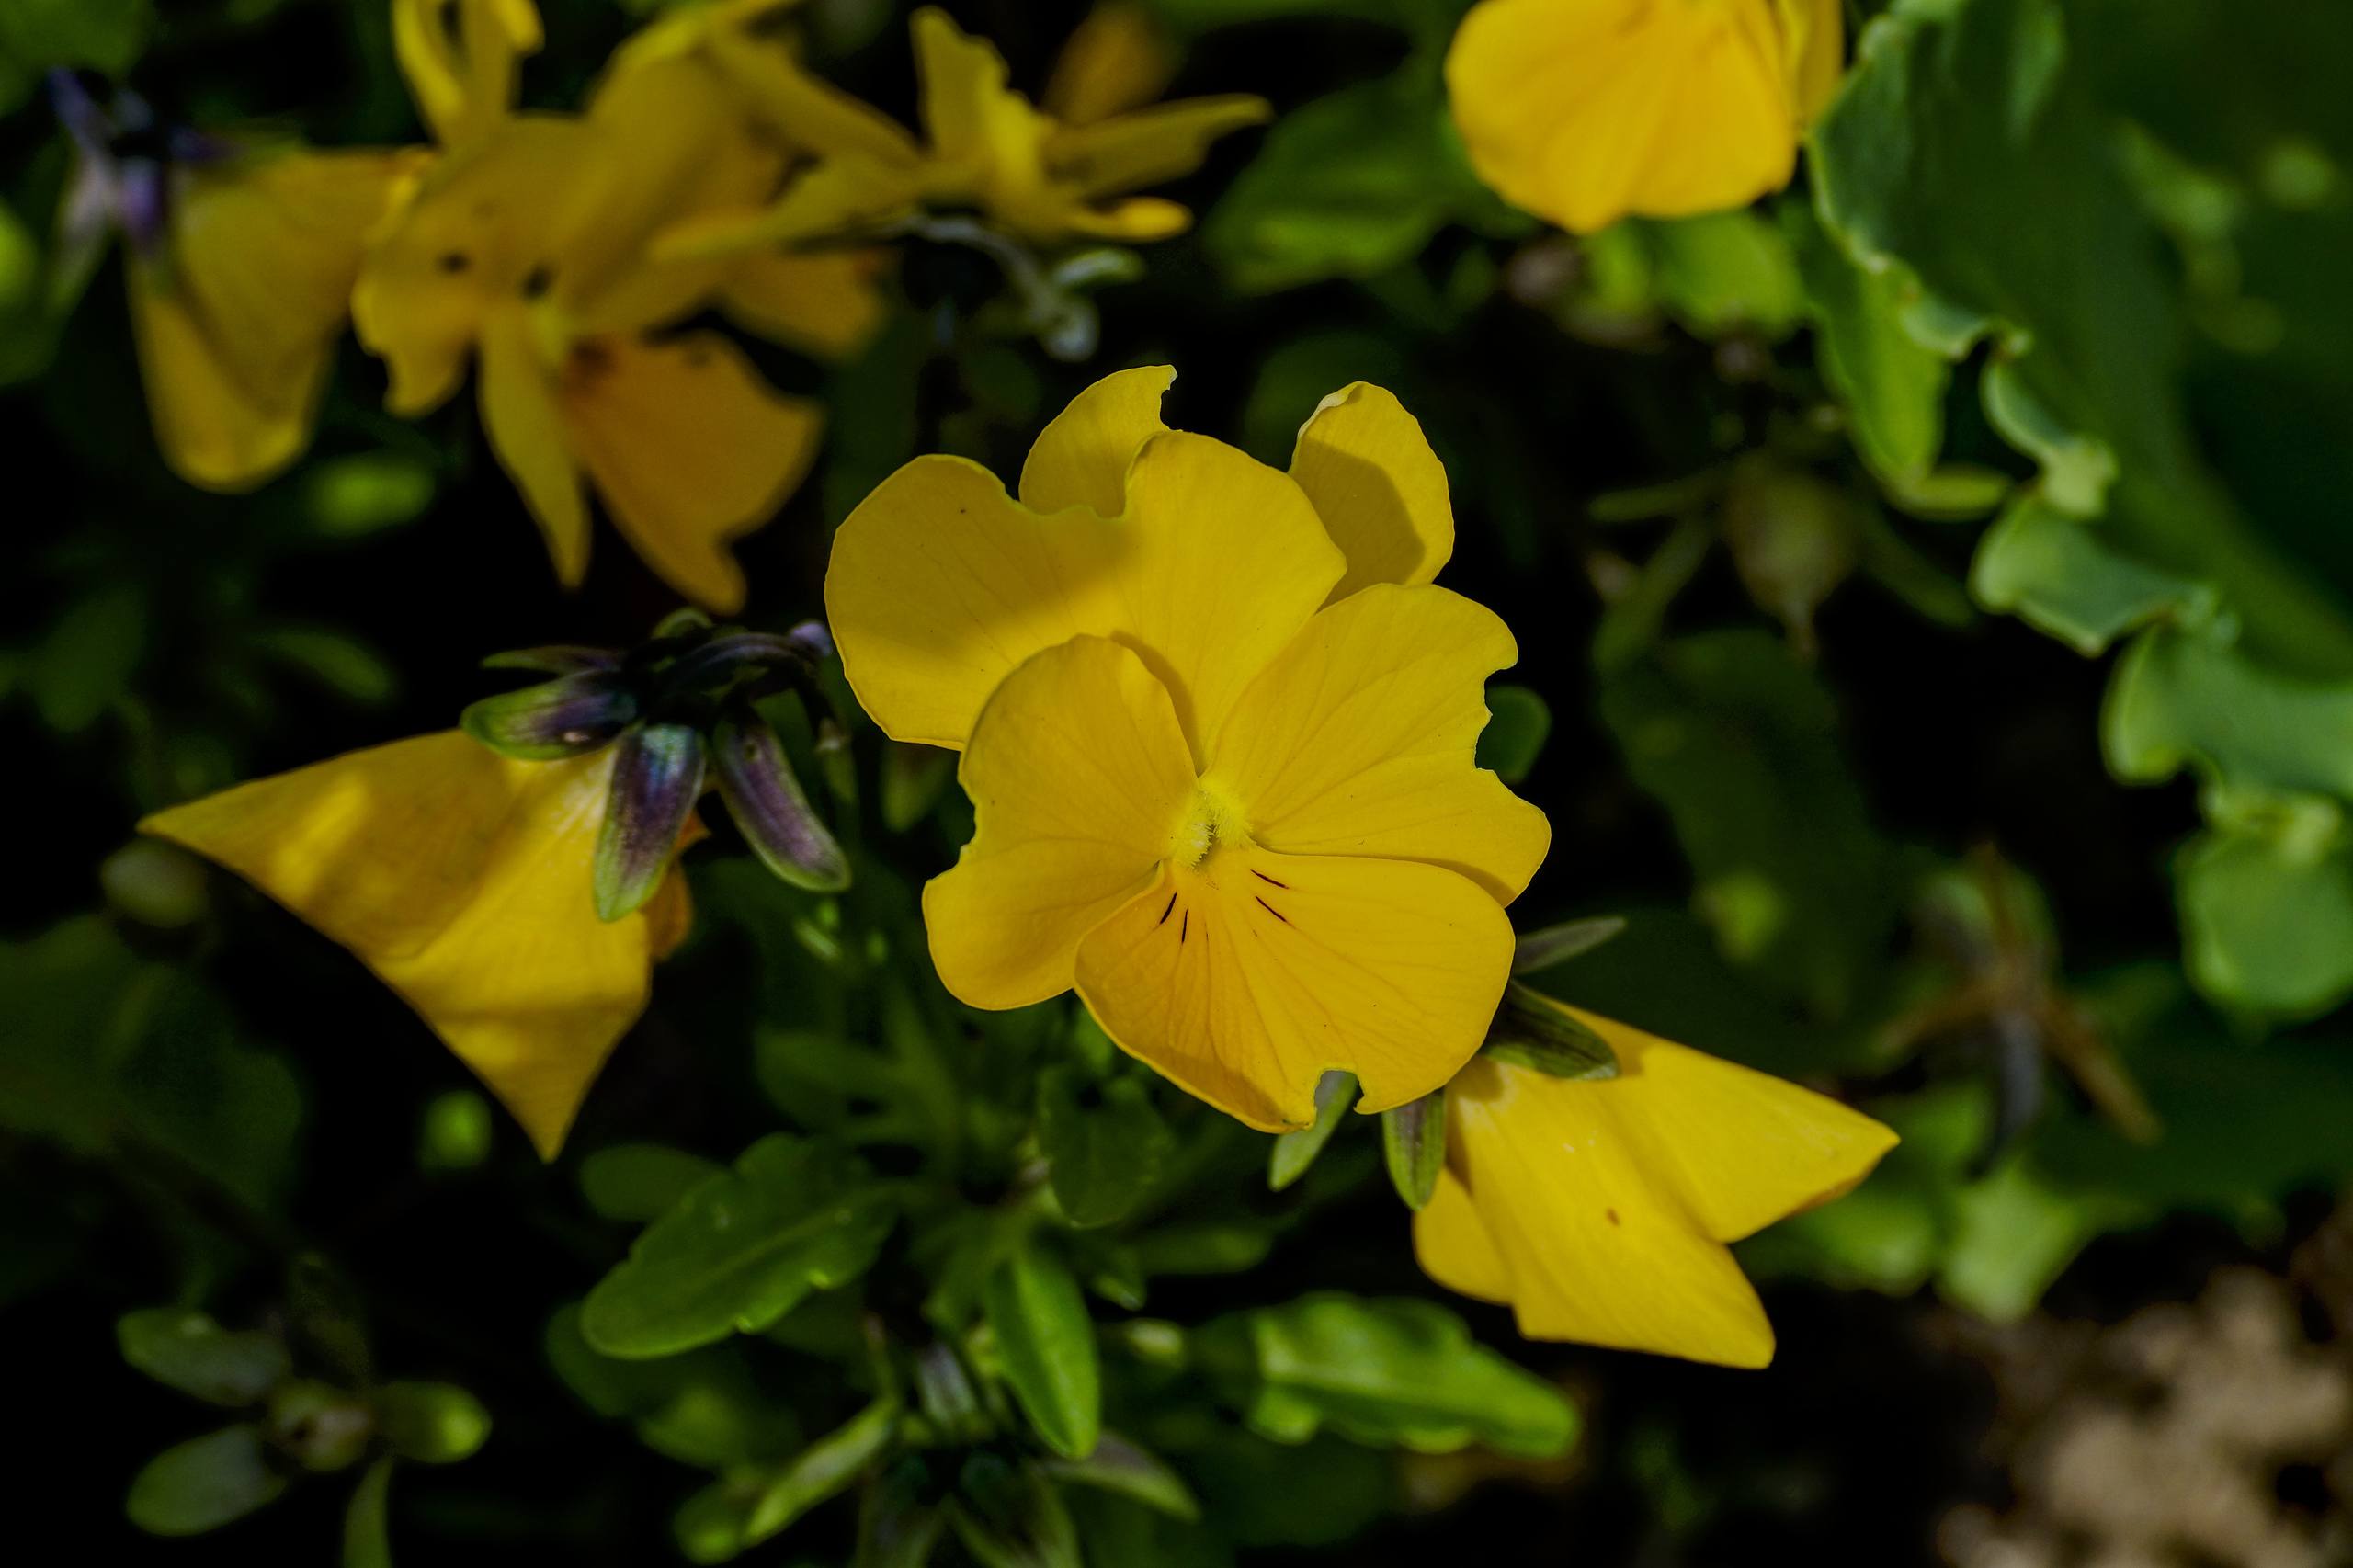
(2061,575)
(639,1183)
(1119,1466)
(731,1515)
(1549,944)
(431,1423)
(706,1408)
(36,35)
(190,1352)
(366,492)
(84,666)
(1892,386)
(1104,1145)
(741,1250)
(1010,1515)
(1517,723)
(1293,1152)
(1740,742)
(1045,1343)
(1723,272)
(340,663)
(1385,1372)
(367,1521)
(1348,185)
(203,1483)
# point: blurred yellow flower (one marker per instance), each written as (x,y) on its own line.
(462,879)
(239,261)
(525,249)
(985,146)
(1586,111)
(460,59)
(1238,811)
(1600,1210)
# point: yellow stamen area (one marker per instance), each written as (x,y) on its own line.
(1211,820)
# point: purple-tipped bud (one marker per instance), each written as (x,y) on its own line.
(755,779)
(561,718)
(657,773)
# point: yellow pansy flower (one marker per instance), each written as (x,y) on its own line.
(1586,111)
(462,879)
(1219,732)
(1600,1210)
(984,146)
(239,262)
(526,251)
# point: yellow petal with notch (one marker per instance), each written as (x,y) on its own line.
(1081,458)
(690,448)
(1245,975)
(1078,776)
(942,584)
(462,879)
(1381,491)
(1361,737)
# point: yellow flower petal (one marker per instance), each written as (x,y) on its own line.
(1378,488)
(460,59)
(968,111)
(1246,977)
(524,421)
(1117,59)
(1078,776)
(236,320)
(1587,110)
(1451,1243)
(671,147)
(1739,1149)
(1360,739)
(825,303)
(841,196)
(688,447)
(462,879)
(942,584)
(1815,32)
(1139,219)
(481,235)
(1600,1211)
(1081,458)
(1162,143)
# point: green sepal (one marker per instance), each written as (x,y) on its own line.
(1530,1031)
(1413,1142)
(1294,1152)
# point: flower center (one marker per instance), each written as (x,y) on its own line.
(1210,820)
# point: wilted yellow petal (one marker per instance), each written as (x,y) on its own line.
(1607,1204)
(1117,59)
(462,879)
(1163,142)
(688,447)
(1360,739)
(526,425)
(1081,458)
(825,303)
(236,319)
(1587,110)
(1078,776)
(941,584)
(1378,488)
(1247,976)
